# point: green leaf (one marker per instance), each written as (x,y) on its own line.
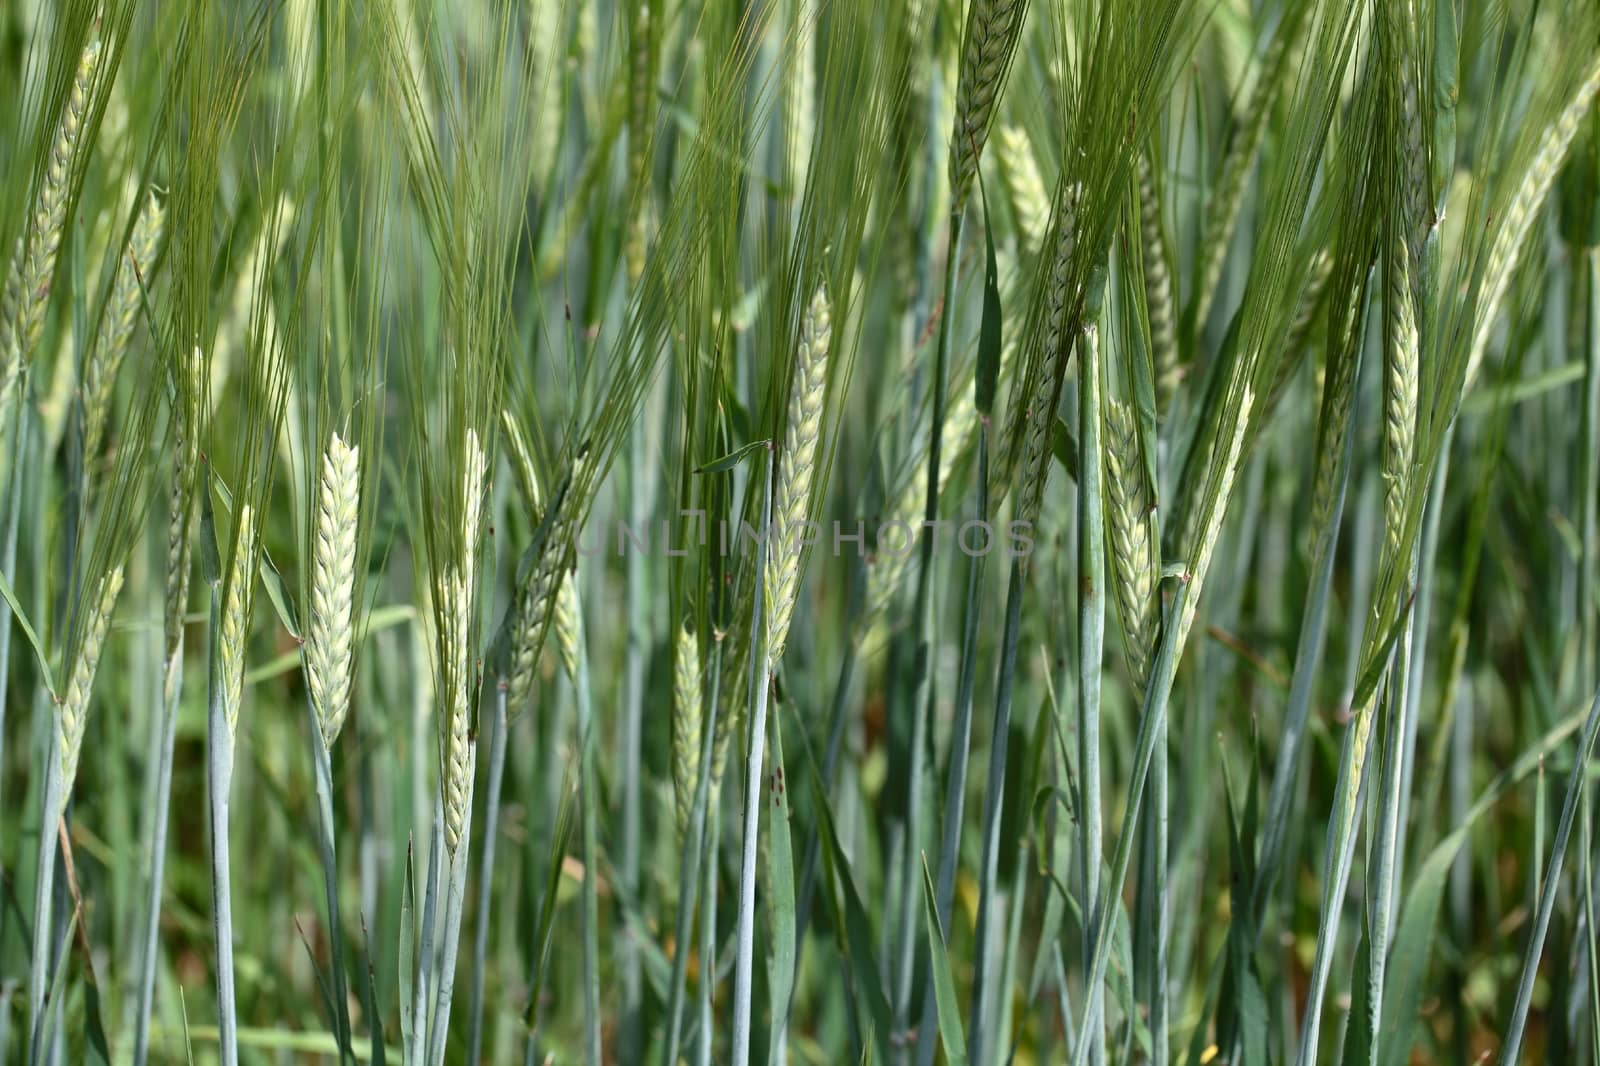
(989,332)
(944,985)
(733,458)
(29,632)
(1064,446)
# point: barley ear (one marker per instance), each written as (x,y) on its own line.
(455,652)
(797,469)
(1216,509)
(1131,532)
(993,27)
(75,703)
(236,615)
(1399,396)
(117,322)
(1158,287)
(688,725)
(1024,186)
(35,263)
(330,643)
(1519,214)
(1039,417)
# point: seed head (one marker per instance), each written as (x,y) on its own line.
(75,702)
(330,643)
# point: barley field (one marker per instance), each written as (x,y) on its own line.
(799,531)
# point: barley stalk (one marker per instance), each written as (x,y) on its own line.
(330,643)
(1130,526)
(993,27)
(688,726)
(1519,214)
(35,262)
(236,616)
(117,322)
(791,501)
(75,701)
(1024,185)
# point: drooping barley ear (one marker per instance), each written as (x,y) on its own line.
(1039,417)
(331,640)
(117,322)
(688,725)
(1399,396)
(1131,531)
(1521,210)
(455,652)
(75,701)
(1222,213)
(35,264)
(1158,288)
(993,27)
(236,616)
(1198,557)
(1024,185)
(791,501)
(905,511)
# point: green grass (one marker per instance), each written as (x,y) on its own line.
(393,668)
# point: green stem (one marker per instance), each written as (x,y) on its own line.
(163,733)
(491,830)
(439,1028)
(323,767)
(1091,639)
(219,782)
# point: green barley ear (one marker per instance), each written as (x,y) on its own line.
(455,650)
(791,501)
(1197,556)
(688,725)
(1039,415)
(238,597)
(889,569)
(331,640)
(27,290)
(183,511)
(1399,394)
(1024,186)
(1517,219)
(1158,296)
(1131,532)
(74,714)
(118,320)
(993,28)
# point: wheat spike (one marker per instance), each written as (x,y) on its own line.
(330,644)
(1131,531)
(1520,212)
(75,701)
(237,598)
(688,725)
(1216,509)
(791,500)
(993,27)
(117,322)
(1024,185)
(1399,396)
(34,266)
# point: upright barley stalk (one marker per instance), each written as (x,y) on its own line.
(230,620)
(329,656)
(789,504)
(1131,531)
(457,745)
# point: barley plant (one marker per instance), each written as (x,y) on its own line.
(799,531)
